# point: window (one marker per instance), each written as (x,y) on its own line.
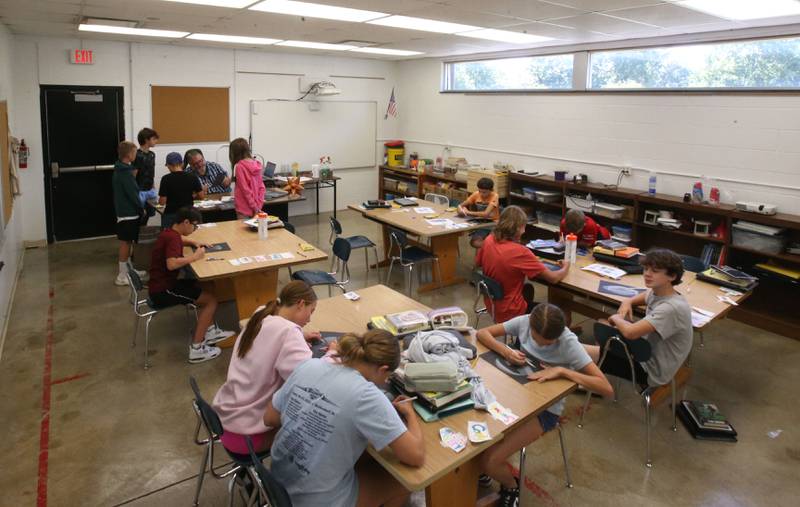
(527,73)
(771,63)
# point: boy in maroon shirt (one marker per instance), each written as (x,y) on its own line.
(167,290)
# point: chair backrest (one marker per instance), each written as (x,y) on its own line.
(289,227)
(489,286)
(693,264)
(639,349)
(336,227)
(134,279)
(438,199)
(207,414)
(273,490)
(341,249)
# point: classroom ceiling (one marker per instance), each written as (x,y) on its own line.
(567,22)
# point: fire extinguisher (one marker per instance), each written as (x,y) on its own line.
(23,155)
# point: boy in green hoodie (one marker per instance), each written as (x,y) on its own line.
(127,206)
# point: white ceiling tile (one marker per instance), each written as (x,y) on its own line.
(603,5)
(529,10)
(594,22)
(665,15)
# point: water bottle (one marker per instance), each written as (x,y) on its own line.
(263,230)
(652,184)
(571,248)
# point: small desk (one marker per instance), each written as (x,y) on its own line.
(585,284)
(444,242)
(253,284)
(450,479)
(316,184)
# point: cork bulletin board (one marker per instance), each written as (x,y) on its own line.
(189,114)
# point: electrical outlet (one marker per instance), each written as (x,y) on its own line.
(626,171)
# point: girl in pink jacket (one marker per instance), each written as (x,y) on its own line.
(271,346)
(248,193)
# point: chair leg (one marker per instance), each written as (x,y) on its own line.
(564,455)
(616,389)
(135,331)
(583,411)
(674,407)
(329,291)
(409,279)
(366,260)
(648,463)
(202,475)
(438,271)
(147,342)
(702,339)
(377,262)
(389,273)
(522,455)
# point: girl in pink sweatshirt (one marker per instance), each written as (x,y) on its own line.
(271,346)
(248,192)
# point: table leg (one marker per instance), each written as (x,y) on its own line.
(316,189)
(386,247)
(446,248)
(334,198)
(459,487)
(253,290)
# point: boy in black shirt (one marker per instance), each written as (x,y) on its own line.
(145,165)
(177,190)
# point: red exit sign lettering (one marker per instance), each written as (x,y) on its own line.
(81,56)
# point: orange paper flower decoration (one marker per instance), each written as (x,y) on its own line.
(293,186)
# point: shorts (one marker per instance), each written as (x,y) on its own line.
(128,230)
(184,292)
(237,443)
(548,420)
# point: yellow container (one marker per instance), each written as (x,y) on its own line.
(395,156)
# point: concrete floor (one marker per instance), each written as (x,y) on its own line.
(122,435)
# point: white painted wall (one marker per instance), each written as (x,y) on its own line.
(137,66)
(11,242)
(750,138)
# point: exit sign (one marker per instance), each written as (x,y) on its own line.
(81,56)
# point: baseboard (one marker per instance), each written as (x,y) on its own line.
(4,331)
(39,243)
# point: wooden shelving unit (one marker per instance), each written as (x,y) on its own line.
(418,182)
(772,305)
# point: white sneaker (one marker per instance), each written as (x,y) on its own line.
(121,280)
(203,353)
(143,275)
(214,335)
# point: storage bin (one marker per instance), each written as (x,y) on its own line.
(389,184)
(529,192)
(605,209)
(622,231)
(580,203)
(548,195)
(761,238)
(500,179)
(548,218)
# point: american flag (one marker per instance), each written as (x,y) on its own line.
(392,109)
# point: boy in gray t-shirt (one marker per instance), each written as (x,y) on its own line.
(667,324)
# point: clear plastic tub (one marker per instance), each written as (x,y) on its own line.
(605,209)
(765,243)
(548,195)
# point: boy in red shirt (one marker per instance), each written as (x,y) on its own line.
(167,290)
(504,259)
(587,230)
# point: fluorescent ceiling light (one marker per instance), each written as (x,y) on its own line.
(315,45)
(232,38)
(233,4)
(316,10)
(744,9)
(386,51)
(122,30)
(425,25)
(505,36)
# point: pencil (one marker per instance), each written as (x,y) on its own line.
(407,399)
(301,253)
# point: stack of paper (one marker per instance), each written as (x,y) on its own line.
(605,270)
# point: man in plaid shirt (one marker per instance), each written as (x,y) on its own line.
(214,178)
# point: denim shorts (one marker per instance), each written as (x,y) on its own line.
(548,420)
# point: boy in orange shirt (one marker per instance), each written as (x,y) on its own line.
(483,203)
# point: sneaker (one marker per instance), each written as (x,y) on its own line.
(484,481)
(509,497)
(203,353)
(121,280)
(214,335)
(143,275)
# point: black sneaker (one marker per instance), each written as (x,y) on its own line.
(509,497)
(484,481)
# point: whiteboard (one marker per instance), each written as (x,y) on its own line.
(287,131)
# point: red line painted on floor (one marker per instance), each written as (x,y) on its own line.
(44,430)
(69,379)
(534,488)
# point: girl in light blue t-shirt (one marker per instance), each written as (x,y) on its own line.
(328,413)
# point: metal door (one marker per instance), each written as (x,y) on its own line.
(81,128)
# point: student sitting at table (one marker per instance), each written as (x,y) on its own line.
(167,290)
(177,189)
(214,178)
(329,412)
(667,323)
(483,203)
(271,346)
(249,189)
(510,263)
(585,228)
(542,335)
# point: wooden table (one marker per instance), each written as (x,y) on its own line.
(450,479)
(253,284)
(444,242)
(585,284)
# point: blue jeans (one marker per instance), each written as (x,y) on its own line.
(548,420)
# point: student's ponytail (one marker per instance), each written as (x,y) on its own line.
(548,321)
(376,347)
(291,294)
